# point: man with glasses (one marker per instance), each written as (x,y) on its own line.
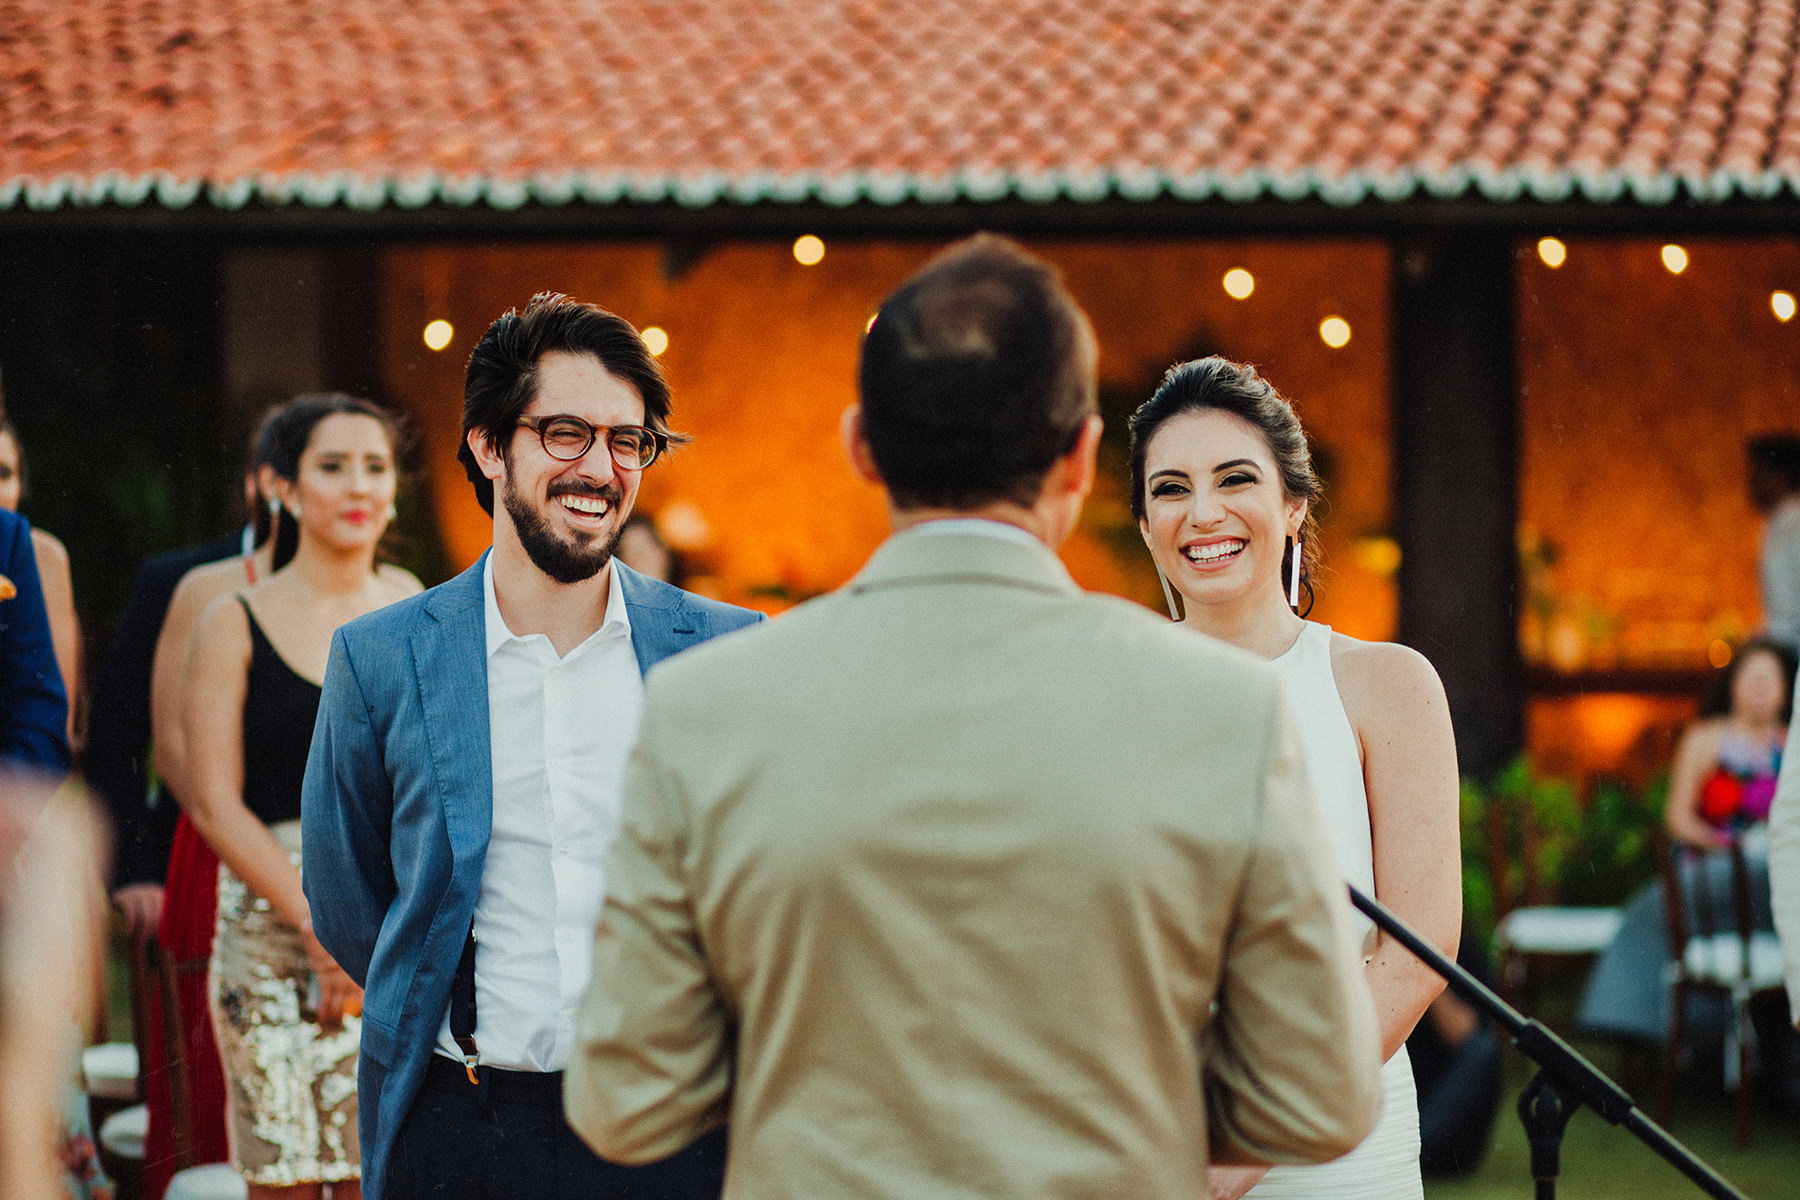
(464,783)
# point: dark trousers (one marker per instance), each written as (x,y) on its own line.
(507,1138)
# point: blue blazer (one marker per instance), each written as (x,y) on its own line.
(398,807)
(34,709)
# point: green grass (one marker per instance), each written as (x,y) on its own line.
(1602,1162)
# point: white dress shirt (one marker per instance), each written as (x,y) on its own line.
(561,730)
(1778,568)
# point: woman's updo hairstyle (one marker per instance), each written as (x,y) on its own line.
(282,442)
(1236,388)
(1717,702)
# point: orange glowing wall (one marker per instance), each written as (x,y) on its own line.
(1638,390)
(762,359)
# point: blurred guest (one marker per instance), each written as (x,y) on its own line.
(1723,779)
(285,1016)
(642,548)
(53,575)
(34,711)
(1775,490)
(50,851)
(159,856)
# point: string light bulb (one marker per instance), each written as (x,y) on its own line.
(655,340)
(808,250)
(1675,258)
(1553,252)
(1239,283)
(1335,332)
(1782,305)
(438,334)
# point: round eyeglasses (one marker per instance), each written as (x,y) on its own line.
(566,439)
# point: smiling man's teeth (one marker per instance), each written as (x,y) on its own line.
(1214,552)
(592,505)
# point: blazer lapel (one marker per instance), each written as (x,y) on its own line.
(450,656)
(660,623)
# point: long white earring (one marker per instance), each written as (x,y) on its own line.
(1295,546)
(274,507)
(392,512)
(1168,595)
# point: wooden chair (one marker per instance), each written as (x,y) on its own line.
(1529,927)
(1714,946)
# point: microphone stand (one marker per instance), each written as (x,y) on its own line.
(1564,1082)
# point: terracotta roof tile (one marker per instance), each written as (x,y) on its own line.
(504,102)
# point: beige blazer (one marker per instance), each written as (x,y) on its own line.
(1784,860)
(960,882)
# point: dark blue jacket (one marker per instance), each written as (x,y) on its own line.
(34,709)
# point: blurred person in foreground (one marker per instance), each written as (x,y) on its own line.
(285,1015)
(51,925)
(1775,490)
(1222,486)
(1784,856)
(464,781)
(53,575)
(643,549)
(960,881)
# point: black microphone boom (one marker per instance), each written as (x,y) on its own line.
(1565,1080)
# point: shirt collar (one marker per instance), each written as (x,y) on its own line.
(498,634)
(980,526)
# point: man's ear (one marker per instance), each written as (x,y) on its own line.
(487,457)
(856,446)
(1077,467)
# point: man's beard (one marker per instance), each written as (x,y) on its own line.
(561,560)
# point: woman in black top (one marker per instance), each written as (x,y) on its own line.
(286,1017)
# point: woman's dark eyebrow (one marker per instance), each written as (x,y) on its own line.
(1236,462)
(1170,472)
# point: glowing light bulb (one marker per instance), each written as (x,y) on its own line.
(1335,332)
(1239,283)
(655,340)
(808,250)
(1782,305)
(438,334)
(1552,251)
(1674,258)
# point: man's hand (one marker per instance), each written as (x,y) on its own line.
(141,904)
(1228,1183)
(338,994)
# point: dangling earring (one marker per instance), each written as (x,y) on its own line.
(392,512)
(1168,595)
(1295,548)
(274,508)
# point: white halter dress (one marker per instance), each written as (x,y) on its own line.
(1386,1165)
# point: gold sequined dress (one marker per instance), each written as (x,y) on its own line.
(292,1083)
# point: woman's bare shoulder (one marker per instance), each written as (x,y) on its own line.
(402,581)
(1381,667)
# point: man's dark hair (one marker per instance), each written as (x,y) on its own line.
(976,377)
(1779,453)
(502,376)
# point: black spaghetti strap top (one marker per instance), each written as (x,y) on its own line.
(280,706)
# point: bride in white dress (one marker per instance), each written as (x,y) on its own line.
(1221,485)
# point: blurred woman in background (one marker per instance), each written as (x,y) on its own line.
(1726,763)
(285,1015)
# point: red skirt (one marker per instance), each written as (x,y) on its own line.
(190,900)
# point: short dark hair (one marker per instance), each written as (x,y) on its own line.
(1236,388)
(285,433)
(502,375)
(1780,453)
(976,376)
